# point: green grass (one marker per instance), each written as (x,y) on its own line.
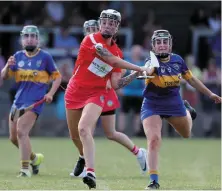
(184,164)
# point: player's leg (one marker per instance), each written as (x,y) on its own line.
(191,110)
(152,127)
(13,132)
(87,123)
(24,125)
(14,139)
(182,125)
(73,117)
(108,120)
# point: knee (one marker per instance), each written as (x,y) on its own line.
(23,128)
(84,131)
(74,136)
(21,133)
(111,135)
(154,142)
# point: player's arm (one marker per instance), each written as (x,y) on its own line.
(123,72)
(118,82)
(55,85)
(55,76)
(116,61)
(196,83)
(6,71)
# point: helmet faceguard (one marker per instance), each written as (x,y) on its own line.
(109,22)
(30,38)
(90,26)
(161,43)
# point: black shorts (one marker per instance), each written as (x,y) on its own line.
(165,116)
(131,102)
(112,112)
(13,110)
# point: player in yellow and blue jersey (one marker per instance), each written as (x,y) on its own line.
(32,69)
(162,99)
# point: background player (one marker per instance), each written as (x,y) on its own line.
(162,99)
(108,116)
(32,69)
(86,92)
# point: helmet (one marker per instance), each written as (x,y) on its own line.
(90,26)
(30,37)
(161,49)
(109,22)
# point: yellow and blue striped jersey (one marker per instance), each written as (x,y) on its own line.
(165,85)
(32,75)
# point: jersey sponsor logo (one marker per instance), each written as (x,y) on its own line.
(27,77)
(172,83)
(21,63)
(99,68)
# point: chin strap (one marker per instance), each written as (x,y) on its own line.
(30,48)
(165,55)
(106,36)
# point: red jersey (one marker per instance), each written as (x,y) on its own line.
(90,69)
(90,75)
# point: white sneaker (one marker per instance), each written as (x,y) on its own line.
(83,174)
(24,173)
(142,160)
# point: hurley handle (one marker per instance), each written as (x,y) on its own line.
(35,104)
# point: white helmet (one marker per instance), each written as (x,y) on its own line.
(109,22)
(30,37)
(90,26)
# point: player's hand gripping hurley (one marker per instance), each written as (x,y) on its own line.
(16,113)
(151,63)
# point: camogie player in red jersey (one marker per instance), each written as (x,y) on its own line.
(87,89)
(108,116)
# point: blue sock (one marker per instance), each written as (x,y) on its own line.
(154,177)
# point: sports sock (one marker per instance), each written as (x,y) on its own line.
(33,156)
(135,150)
(154,175)
(25,164)
(91,171)
(80,156)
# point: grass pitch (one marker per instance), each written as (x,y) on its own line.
(184,164)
